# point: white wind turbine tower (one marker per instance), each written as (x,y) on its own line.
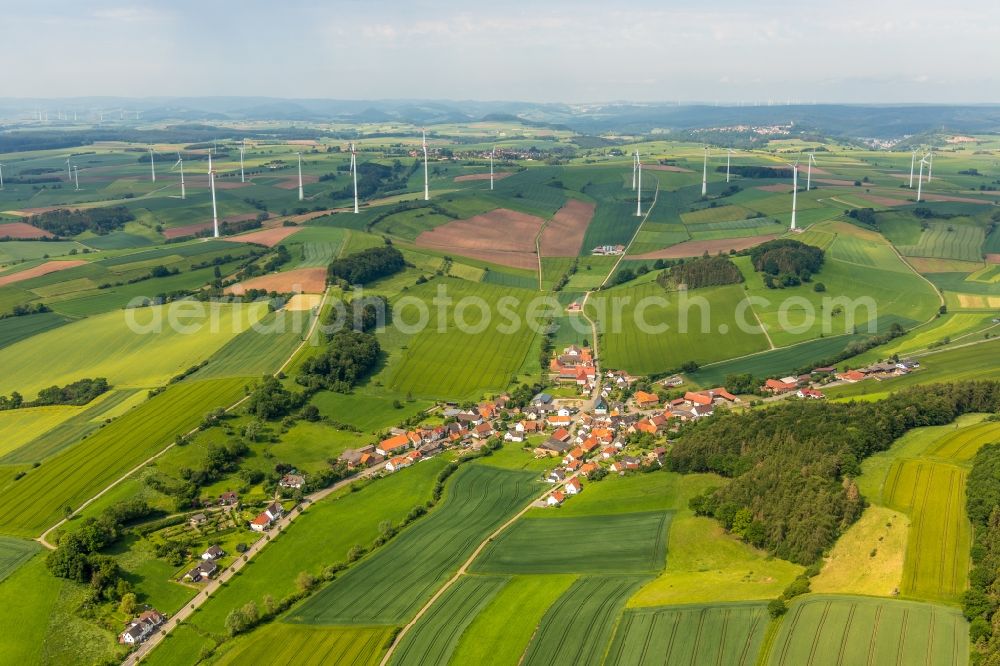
(427,188)
(704,174)
(69,170)
(930,164)
(809,171)
(152,163)
(638,196)
(920,178)
(76,177)
(354,173)
(635,167)
(301,196)
(913,163)
(242,150)
(215,210)
(1,176)
(795,192)
(180,164)
(492,151)
(729,159)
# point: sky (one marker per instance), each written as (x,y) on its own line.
(724,51)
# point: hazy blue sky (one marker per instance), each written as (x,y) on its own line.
(713,50)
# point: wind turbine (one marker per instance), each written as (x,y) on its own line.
(809,171)
(704,174)
(492,150)
(180,164)
(1,176)
(427,188)
(215,210)
(638,196)
(69,170)
(635,166)
(152,163)
(729,158)
(76,176)
(913,162)
(242,150)
(301,196)
(930,164)
(920,179)
(795,192)
(354,172)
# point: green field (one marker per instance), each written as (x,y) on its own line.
(576,629)
(259,351)
(13,554)
(729,634)
(947,240)
(368,408)
(105,346)
(321,537)
(310,646)
(390,585)
(15,329)
(635,542)
(937,550)
(821,630)
(21,426)
(35,502)
(27,601)
(500,632)
(701,327)
(438,361)
(436,635)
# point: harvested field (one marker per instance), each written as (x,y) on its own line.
(293,183)
(186,230)
(834,181)
(975,302)
(946,197)
(563,236)
(41,269)
(993,258)
(777,187)
(300,302)
(266,237)
(28,212)
(298,281)
(498,175)
(501,236)
(22,230)
(698,248)
(666,167)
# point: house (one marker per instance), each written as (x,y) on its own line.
(274,511)
(229,498)
(608,452)
(482,431)
(513,435)
(672,382)
(561,434)
(295,481)
(777,386)
(697,398)
(430,448)
(589,468)
(720,394)
(574,454)
(198,519)
(393,445)
(851,376)
(355,457)
(825,370)
(260,523)
(601,407)
(213,553)
(397,463)
(573,486)
(141,627)
(702,410)
(555,476)
(646,400)
(204,569)
(573,465)
(556,421)
(555,499)
(552,447)
(810,394)
(470,418)
(590,444)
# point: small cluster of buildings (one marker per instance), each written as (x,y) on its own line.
(142,627)
(575,365)
(608,250)
(207,567)
(267,517)
(879,371)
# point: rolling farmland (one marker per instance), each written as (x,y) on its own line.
(13,554)
(821,630)
(729,634)
(437,633)
(948,241)
(576,630)
(422,557)
(311,646)
(35,502)
(635,542)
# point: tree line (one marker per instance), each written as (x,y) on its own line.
(980,601)
(66,222)
(76,393)
(367,265)
(705,271)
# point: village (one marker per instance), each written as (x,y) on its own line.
(591,424)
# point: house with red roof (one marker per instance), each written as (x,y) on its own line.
(777,387)
(393,445)
(573,486)
(555,499)
(646,400)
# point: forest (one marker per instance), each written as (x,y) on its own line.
(793,466)
(65,222)
(701,272)
(367,265)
